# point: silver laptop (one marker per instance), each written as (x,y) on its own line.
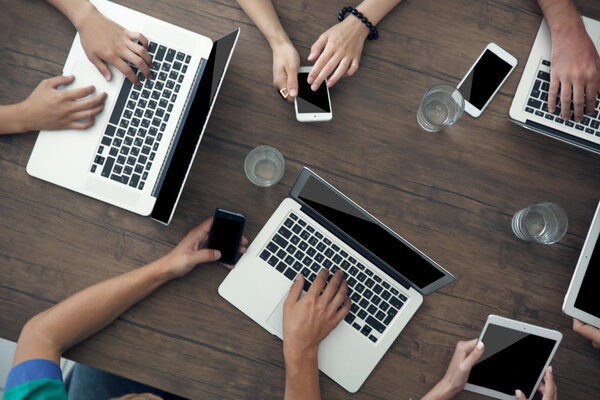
(530,104)
(138,153)
(318,227)
(581,300)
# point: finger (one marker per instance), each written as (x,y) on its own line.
(137,36)
(295,292)
(81,125)
(205,255)
(140,63)
(244,241)
(74,94)
(578,101)
(57,81)
(202,229)
(587,331)
(317,47)
(243,250)
(102,68)
(279,78)
(565,100)
(89,103)
(319,283)
(292,84)
(339,72)
(475,355)
(590,98)
(143,54)
(325,72)
(126,70)
(338,298)
(343,311)
(553,92)
(316,70)
(87,114)
(520,395)
(353,68)
(332,286)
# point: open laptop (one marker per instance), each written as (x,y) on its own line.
(318,227)
(581,300)
(139,152)
(530,104)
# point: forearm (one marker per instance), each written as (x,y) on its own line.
(375,10)
(12,119)
(50,333)
(302,377)
(441,391)
(74,10)
(263,14)
(562,16)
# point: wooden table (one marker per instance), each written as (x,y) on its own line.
(452,194)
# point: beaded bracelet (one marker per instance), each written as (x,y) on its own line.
(373,32)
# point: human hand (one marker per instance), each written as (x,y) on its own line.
(192,251)
(105,41)
(576,69)
(466,354)
(337,49)
(588,332)
(547,388)
(50,108)
(285,69)
(309,320)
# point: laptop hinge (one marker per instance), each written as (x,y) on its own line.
(356,246)
(562,136)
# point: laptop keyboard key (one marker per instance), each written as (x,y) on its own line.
(290,274)
(378,326)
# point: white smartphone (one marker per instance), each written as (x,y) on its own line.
(485,78)
(312,106)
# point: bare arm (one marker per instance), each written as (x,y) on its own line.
(575,62)
(50,333)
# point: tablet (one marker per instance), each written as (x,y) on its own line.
(516,356)
(581,301)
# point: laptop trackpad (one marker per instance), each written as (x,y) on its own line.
(275,320)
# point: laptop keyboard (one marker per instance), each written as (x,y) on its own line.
(538,104)
(128,146)
(298,247)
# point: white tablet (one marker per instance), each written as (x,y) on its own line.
(516,356)
(581,301)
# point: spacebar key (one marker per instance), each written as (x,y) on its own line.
(121,100)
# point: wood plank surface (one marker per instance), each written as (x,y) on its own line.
(452,194)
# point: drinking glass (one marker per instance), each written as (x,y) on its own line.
(544,223)
(264,166)
(442,105)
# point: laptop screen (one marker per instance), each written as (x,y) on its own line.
(181,158)
(368,232)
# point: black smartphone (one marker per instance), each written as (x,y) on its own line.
(226,234)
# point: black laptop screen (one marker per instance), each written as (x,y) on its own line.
(192,127)
(363,228)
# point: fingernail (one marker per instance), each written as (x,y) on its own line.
(518,393)
(311,55)
(549,369)
(314,87)
(293,93)
(217,254)
(107,77)
(479,345)
(310,79)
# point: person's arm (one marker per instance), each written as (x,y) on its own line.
(575,64)
(465,356)
(50,108)
(105,41)
(50,333)
(285,57)
(587,331)
(306,322)
(337,51)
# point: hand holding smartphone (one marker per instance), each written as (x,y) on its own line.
(226,234)
(312,106)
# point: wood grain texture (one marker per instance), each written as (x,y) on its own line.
(452,194)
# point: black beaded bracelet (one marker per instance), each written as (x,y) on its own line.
(373,32)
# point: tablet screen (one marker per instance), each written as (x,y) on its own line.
(511,360)
(587,298)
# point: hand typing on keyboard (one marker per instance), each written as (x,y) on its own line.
(306,322)
(575,62)
(104,41)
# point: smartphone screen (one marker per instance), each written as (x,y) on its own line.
(309,101)
(225,235)
(484,79)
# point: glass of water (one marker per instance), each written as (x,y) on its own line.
(544,223)
(442,106)
(264,166)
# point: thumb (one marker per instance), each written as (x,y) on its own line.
(520,395)
(60,80)
(295,291)
(475,355)
(206,255)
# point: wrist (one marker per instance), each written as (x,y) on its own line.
(296,359)
(21,121)
(278,41)
(79,14)
(443,390)
(356,25)
(162,270)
